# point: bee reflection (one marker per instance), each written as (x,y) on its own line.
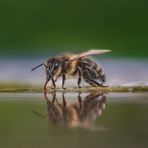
(80,113)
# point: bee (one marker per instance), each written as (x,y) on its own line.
(74,65)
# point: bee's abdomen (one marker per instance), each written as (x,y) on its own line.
(92,71)
(101,73)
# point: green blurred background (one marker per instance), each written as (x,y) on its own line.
(35,27)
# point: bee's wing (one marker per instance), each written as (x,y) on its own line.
(89,53)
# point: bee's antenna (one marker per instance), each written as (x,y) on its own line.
(39,114)
(38,66)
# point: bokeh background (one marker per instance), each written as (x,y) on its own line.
(35,28)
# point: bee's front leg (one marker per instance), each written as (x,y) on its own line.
(53,83)
(45,85)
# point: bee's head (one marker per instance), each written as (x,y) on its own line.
(53,65)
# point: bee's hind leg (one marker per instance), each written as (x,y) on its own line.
(91,78)
(97,83)
(91,81)
(101,83)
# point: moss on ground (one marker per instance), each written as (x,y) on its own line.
(33,88)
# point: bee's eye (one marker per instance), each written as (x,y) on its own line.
(56,64)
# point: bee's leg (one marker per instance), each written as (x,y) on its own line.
(102,82)
(63,80)
(92,82)
(56,78)
(45,85)
(96,83)
(89,79)
(79,78)
(53,83)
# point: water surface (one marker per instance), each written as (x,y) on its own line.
(74,120)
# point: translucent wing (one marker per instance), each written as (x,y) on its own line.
(89,53)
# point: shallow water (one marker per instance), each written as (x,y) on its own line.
(74,120)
